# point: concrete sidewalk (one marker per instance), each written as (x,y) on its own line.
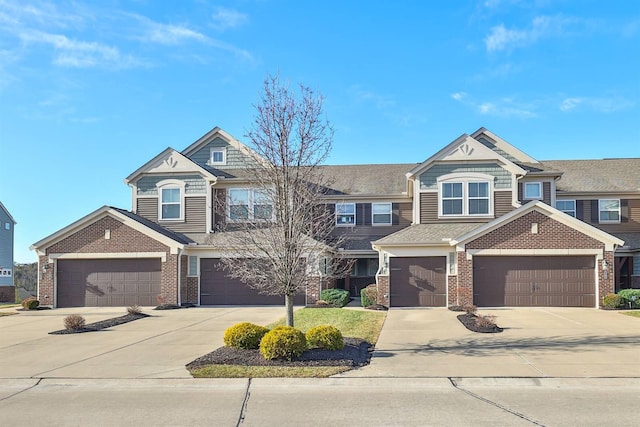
(536,342)
(153,347)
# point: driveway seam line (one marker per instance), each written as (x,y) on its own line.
(245,402)
(21,391)
(496,404)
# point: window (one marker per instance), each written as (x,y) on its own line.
(7,226)
(609,210)
(218,156)
(171,206)
(452,199)
(345,213)
(193,266)
(567,206)
(478,198)
(247,204)
(381,213)
(364,267)
(465,198)
(533,190)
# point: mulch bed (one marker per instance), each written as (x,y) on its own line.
(356,352)
(103,324)
(469,322)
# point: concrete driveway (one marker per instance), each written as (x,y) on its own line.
(153,347)
(536,342)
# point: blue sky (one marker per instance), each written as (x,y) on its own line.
(90,91)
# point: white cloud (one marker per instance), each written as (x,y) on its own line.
(503,38)
(599,104)
(224,19)
(503,107)
(80,54)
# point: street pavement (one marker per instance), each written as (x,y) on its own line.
(552,367)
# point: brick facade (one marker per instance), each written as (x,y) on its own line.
(122,239)
(465,280)
(383,290)
(189,284)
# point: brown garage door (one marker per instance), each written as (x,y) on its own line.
(217,288)
(108,282)
(418,282)
(536,281)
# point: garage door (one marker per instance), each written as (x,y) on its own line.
(217,288)
(108,282)
(418,282)
(534,281)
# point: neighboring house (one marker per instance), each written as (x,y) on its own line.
(7,292)
(478,222)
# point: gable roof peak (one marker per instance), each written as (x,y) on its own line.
(6,211)
(502,145)
(169,161)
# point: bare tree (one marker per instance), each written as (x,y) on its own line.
(284,238)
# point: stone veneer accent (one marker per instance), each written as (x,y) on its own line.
(123,238)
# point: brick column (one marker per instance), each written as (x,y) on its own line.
(606,278)
(313,289)
(170,279)
(452,290)
(465,280)
(383,290)
(45,281)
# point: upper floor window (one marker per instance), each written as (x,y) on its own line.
(609,210)
(533,190)
(567,206)
(7,226)
(345,213)
(465,198)
(170,203)
(218,156)
(381,213)
(249,204)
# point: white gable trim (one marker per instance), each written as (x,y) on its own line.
(606,238)
(170,161)
(505,146)
(41,245)
(466,149)
(218,132)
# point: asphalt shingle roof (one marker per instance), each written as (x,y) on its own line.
(368,179)
(622,175)
(180,238)
(428,233)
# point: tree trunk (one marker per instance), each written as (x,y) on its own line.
(288,303)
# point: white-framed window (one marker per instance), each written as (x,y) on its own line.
(478,198)
(452,198)
(467,197)
(7,226)
(171,200)
(381,213)
(567,206)
(609,210)
(193,266)
(246,204)
(345,214)
(532,190)
(218,156)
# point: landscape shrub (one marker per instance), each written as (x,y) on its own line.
(486,321)
(628,299)
(337,297)
(325,336)
(134,309)
(283,342)
(244,335)
(470,308)
(74,322)
(612,301)
(161,299)
(30,303)
(369,295)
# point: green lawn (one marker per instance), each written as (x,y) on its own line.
(631,313)
(361,324)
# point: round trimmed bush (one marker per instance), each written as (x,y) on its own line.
(612,301)
(73,322)
(244,335)
(30,303)
(325,336)
(283,342)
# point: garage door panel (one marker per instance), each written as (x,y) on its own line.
(217,288)
(543,281)
(111,282)
(418,282)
